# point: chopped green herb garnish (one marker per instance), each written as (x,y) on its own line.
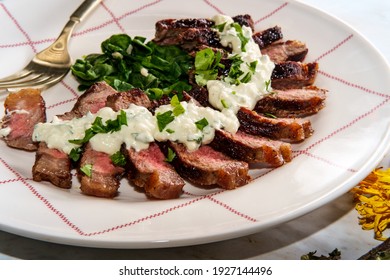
(195,138)
(236,75)
(87,169)
(178,109)
(235,71)
(170,131)
(224,104)
(170,156)
(207,63)
(163,119)
(75,154)
(269,115)
(89,133)
(98,127)
(175,101)
(118,159)
(252,66)
(244,40)
(268,85)
(246,78)
(220,27)
(201,124)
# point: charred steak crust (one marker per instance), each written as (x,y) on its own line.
(286,129)
(252,149)
(292,74)
(245,20)
(53,166)
(293,103)
(268,36)
(207,167)
(188,33)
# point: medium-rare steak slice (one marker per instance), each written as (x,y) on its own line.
(268,36)
(98,175)
(92,100)
(252,149)
(59,172)
(288,129)
(53,166)
(207,167)
(23,110)
(148,169)
(122,100)
(292,74)
(293,102)
(290,50)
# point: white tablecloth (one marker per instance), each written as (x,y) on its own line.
(334,225)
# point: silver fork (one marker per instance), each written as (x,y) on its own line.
(51,65)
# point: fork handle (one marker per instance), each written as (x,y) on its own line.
(84,9)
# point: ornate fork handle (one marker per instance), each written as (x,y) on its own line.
(57,53)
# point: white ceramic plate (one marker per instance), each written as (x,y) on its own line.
(351,132)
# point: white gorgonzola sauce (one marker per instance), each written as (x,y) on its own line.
(140,130)
(184,127)
(137,134)
(223,94)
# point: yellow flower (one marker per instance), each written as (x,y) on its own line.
(373,204)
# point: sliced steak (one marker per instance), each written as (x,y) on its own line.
(187,33)
(288,129)
(290,50)
(252,149)
(92,100)
(23,110)
(149,170)
(55,173)
(292,74)
(293,102)
(100,177)
(53,166)
(268,36)
(122,100)
(207,167)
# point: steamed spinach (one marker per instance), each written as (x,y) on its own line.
(127,63)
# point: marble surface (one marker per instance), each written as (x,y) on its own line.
(334,225)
